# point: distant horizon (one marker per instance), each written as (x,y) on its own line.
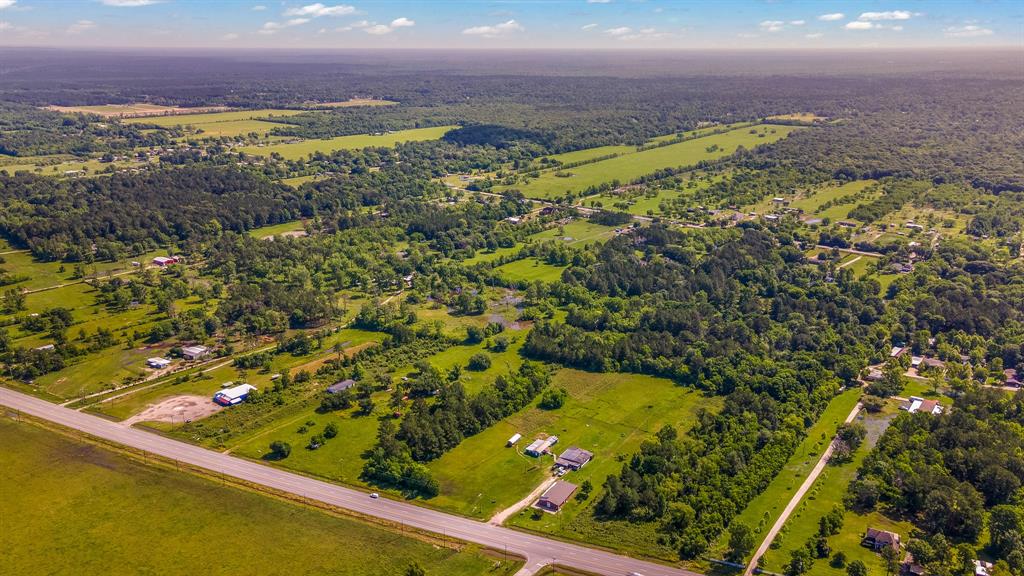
(487,25)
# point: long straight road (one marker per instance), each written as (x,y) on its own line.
(537,550)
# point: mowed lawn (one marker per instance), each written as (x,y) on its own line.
(76,509)
(530,270)
(813,203)
(627,167)
(283,228)
(608,414)
(296,150)
(765,509)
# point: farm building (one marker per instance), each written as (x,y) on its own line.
(574,458)
(917,404)
(879,539)
(556,496)
(158,363)
(540,446)
(341,386)
(515,438)
(1011,378)
(45,348)
(234,395)
(195,352)
(165,260)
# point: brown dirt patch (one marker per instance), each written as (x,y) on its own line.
(176,409)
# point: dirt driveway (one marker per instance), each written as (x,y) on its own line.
(176,409)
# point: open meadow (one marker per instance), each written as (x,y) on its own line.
(626,167)
(296,150)
(104,512)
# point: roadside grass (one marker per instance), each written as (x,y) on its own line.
(608,414)
(104,512)
(530,270)
(627,167)
(828,491)
(765,508)
(294,151)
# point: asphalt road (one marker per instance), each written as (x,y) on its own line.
(537,550)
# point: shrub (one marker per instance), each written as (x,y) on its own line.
(479,362)
(553,398)
(280,449)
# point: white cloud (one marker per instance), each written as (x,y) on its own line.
(5,25)
(272,27)
(317,10)
(378,29)
(889,15)
(402,23)
(859,25)
(771,25)
(968,31)
(588,27)
(230,36)
(814,36)
(259,8)
(81,26)
(129,3)
(502,29)
(618,31)
(797,22)
(832,17)
(7,4)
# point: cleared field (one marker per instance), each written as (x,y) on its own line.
(297,181)
(828,491)
(136,110)
(627,167)
(43,166)
(530,270)
(591,153)
(104,512)
(813,203)
(605,413)
(798,117)
(352,102)
(296,150)
(859,264)
(234,128)
(578,232)
(200,120)
(293,228)
(764,510)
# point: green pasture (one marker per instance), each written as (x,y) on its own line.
(203,120)
(530,270)
(580,232)
(827,492)
(274,230)
(812,203)
(627,167)
(297,181)
(591,153)
(296,150)
(609,414)
(858,263)
(105,513)
(764,509)
(230,128)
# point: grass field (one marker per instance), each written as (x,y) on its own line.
(609,414)
(297,181)
(294,151)
(627,167)
(44,166)
(530,270)
(764,510)
(203,120)
(137,109)
(812,204)
(590,153)
(858,263)
(353,102)
(578,232)
(288,228)
(828,491)
(107,514)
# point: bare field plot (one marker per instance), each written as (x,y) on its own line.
(136,110)
(199,120)
(351,102)
(627,167)
(296,150)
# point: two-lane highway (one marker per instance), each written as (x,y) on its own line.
(537,550)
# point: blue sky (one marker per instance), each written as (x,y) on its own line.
(512,24)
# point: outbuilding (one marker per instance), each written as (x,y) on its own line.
(541,446)
(341,386)
(195,352)
(574,458)
(515,438)
(234,395)
(556,496)
(165,260)
(158,363)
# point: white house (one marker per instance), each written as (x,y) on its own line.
(158,363)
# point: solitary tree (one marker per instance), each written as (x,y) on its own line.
(741,541)
(280,449)
(856,568)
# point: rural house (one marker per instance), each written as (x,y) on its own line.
(918,404)
(158,363)
(879,539)
(556,496)
(574,458)
(540,446)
